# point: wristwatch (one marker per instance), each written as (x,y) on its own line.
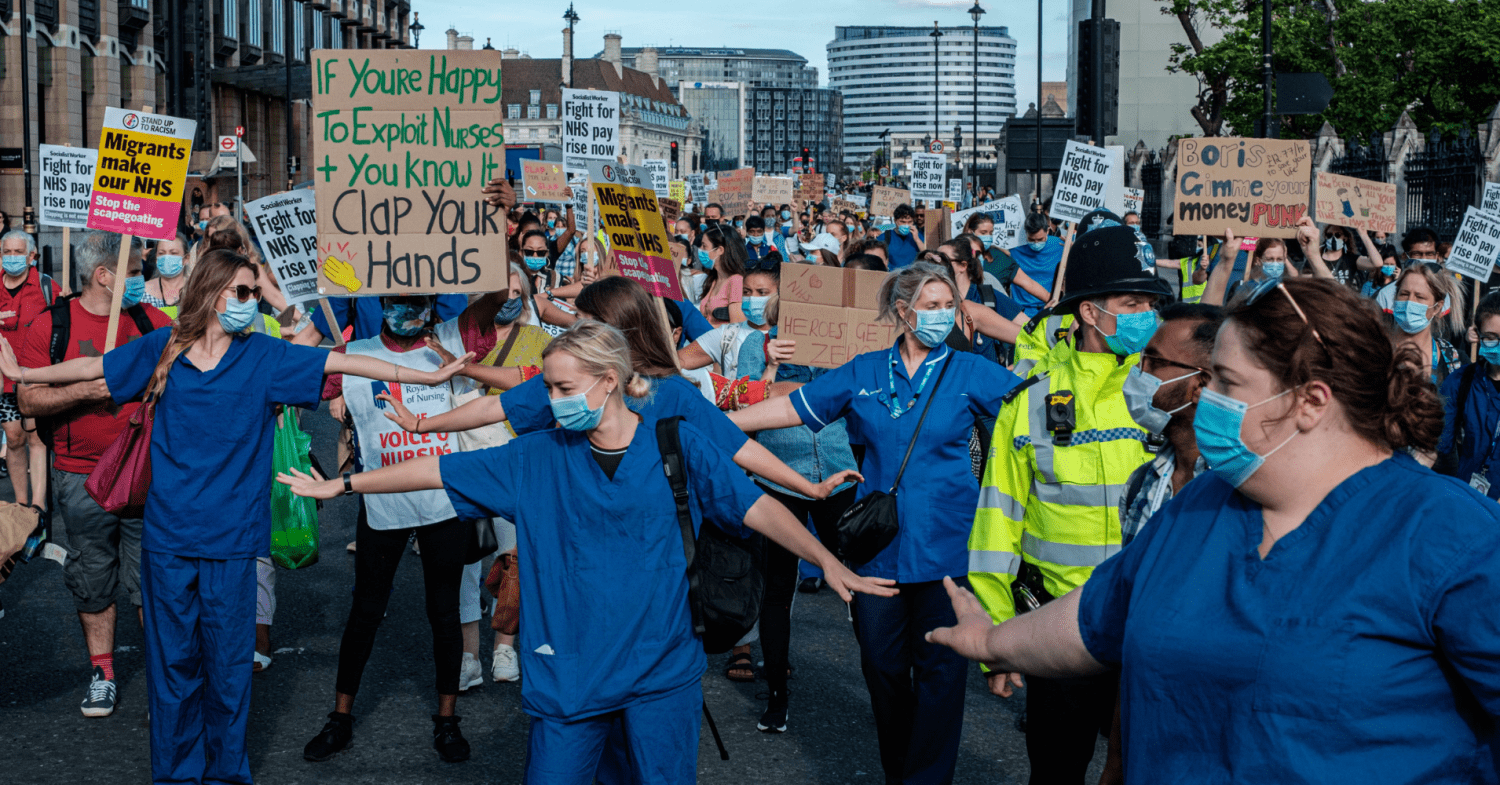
(348,486)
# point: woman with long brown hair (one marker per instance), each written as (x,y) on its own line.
(208,512)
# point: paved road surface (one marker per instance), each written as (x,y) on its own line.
(43,672)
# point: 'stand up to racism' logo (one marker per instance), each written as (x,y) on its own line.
(609,173)
(131,120)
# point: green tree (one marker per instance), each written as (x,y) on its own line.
(1433,58)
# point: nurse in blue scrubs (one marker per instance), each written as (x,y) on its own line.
(594,513)
(916,688)
(208,511)
(1319,608)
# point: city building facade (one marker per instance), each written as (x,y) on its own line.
(887,75)
(781,123)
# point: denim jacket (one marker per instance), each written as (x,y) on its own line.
(815,456)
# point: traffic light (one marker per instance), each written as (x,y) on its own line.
(674,154)
(1098,93)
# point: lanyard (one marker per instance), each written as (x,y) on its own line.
(891,402)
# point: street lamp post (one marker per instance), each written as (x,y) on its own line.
(936,34)
(958,156)
(28,214)
(416,29)
(975,13)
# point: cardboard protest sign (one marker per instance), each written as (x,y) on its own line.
(631,217)
(929,173)
(884,200)
(1475,247)
(657,168)
(768,190)
(678,190)
(287,225)
(810,188)
(1355,203)
(1135,201)
(734,189)
(1254,187)
(1490,203)
(842,206)
(831,313)
(591,128)
(67,179)
(141,169)
(544,181)
(671,210)
(1008,214)
(1082,182)
(402,141)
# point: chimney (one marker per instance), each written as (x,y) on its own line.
(452,38)
(612,53)
(646,61)
(510,53)
(567,57)
(466,42)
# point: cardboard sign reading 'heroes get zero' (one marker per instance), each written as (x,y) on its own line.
(831,312)
(142,167)
(402,143)
(1255,187)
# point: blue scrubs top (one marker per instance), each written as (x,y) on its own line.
(694,326)
(211,442)
(367,316)
(1365,647)
(605,593)
(901,248)
(1040,266)
(938,493)
(528,408)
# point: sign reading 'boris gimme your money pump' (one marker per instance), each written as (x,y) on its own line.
(402,143)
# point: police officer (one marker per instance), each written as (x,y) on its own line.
(1048,510)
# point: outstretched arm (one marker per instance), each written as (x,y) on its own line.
(1045,642)
(80,369)
(767,415)
(474,414)
(770,518)
(371,368)
(417,474)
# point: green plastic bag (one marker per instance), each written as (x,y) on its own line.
(294,519)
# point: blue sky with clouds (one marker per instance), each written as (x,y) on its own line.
(535,27)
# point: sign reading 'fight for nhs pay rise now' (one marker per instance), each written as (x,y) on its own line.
(403,141)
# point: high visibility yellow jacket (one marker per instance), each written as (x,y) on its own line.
(1038,338)
(1191,292)
(1049,499)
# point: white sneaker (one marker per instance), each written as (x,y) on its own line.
(470,674)
(507,665)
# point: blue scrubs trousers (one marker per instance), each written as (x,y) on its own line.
(916,688)
(200,633)
(660,744)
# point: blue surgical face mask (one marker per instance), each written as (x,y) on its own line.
(14,263)
(135,289)
(903,229)
(1411,316)
(1132,332)
(850,227)
(238,315)
(169,265)
(1491,354)
(755,309)
(1334,244)
(756,239)
(534,263)
(705,260)
(987,240)
(1217,426)
(1273,269)
(739,224)
(786,215)
(405,319)
(202,225)
(1388,270)
(510,311)
(1037,246)
(932,327)
(573,413)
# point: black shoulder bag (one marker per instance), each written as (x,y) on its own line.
(871,524)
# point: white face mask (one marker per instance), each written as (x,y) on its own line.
(1140,393)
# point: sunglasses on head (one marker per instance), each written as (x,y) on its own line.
(1260,289)
(243,293)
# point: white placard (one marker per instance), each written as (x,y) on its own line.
(828,181)
(697,191)
(591,128)
(1008,215)
(1082,182)
(859,199)
(955,189)
(287,226)
(67,179)
(1135,201)
(1491,201)
(1475,247)
(660,182)
(929,172)
(580,187)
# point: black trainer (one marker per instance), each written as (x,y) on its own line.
(774,720)
(333,739)
(447,739)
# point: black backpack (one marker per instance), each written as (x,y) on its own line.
(726,582)
(57,347)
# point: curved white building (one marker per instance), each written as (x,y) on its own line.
(886,76)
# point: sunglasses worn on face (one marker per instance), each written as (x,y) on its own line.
(1267,285)
(243,293)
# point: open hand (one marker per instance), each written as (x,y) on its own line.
(448,371)
(825,488)
(970,637)
(844,582)
(780,350)
(340,272)
(437,346)
(9,365)
(398,413)
(310,485)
